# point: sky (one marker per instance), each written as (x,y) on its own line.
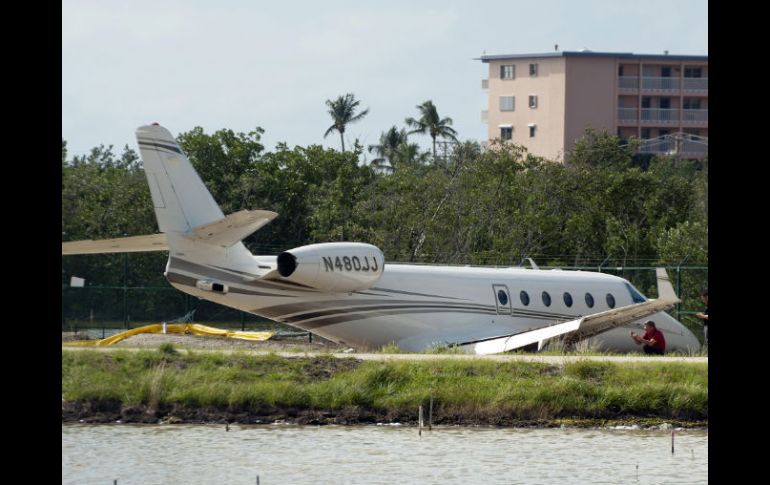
(241,64)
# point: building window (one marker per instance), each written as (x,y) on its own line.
(620,71)
(506,133)
(507,103)
(532,129)
(507,71)
(533,102)
(691,103)
(665,103)
(646,102)
(693,72)
(665,71)
(645,133)
(533,69)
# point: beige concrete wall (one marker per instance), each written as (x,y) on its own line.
(549,88)
(591,96)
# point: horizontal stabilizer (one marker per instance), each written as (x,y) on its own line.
(573,330)
(134,244)
(232,229)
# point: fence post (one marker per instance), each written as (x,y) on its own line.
(679,287)
(125,290)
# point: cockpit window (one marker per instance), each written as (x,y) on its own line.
(636,297)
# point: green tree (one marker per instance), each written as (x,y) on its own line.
(222,159)
(343,111)
(390,141)
(599,149)
(431,123)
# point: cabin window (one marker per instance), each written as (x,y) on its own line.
(502,297)
(589,300)
(567,299)
(524,297)
(610,300)
(546,299)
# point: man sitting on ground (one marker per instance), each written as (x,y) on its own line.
(653,340)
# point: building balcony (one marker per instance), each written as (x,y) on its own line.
(660,116)
(628,116)
(696,84)
(690,117)
(695,117)
(680,145)
(628,83)
(660,84)
(668,85)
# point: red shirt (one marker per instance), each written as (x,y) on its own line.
(657,335)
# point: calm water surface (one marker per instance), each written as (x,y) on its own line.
(284,454)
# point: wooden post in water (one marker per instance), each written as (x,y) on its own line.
(672,441)
(430,414)
(420,423)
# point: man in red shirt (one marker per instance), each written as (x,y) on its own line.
(653,340)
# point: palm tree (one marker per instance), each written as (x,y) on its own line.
(342,112)
(430,123)
(386,150)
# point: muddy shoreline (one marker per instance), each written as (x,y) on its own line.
(110,411)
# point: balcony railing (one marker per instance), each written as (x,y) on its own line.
(660,115)
(485,84)
(695,115)
(696,84)
(679,144)
(660,83)
(627,114)
(699,84)
(628,82)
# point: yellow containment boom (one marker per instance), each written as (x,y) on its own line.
(185,328)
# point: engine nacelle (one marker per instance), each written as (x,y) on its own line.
(333,267)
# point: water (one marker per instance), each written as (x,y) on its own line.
(284,454)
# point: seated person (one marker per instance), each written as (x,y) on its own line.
(653,340)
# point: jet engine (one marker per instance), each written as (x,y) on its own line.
(333,267)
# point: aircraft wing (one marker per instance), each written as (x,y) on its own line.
(573,330)
(134,244)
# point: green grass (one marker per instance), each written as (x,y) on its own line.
(472,390)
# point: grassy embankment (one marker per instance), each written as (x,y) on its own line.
(148,386)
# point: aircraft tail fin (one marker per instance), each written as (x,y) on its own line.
(180,198)
(186,211)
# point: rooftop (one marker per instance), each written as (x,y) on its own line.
(588,53)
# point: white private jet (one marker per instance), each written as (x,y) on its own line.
(344,292)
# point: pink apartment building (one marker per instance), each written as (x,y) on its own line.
(546,101)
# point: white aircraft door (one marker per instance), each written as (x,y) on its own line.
(502,299)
